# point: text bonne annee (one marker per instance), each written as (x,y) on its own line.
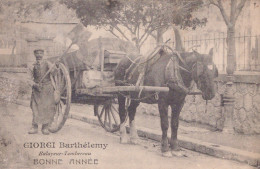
(87,161)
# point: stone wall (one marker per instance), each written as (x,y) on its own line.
(246,114)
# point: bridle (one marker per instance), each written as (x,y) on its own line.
(181,59)
(184,68)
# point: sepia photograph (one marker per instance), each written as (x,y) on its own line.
(129,84)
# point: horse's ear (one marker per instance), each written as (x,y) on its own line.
(208,59)
(197,55)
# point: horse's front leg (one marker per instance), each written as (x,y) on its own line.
(131,112)
(122,114)
(163,109)
(176,109)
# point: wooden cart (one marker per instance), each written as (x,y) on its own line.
(93,84)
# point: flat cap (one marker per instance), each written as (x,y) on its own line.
(36,50)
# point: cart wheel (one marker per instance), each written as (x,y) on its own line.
(108,115)
(62,85)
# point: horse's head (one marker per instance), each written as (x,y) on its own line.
(203,73)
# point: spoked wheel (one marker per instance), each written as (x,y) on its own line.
(108,115)
(62,85)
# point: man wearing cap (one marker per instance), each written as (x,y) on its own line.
(42,99)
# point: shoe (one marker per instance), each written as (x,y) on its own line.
(33,130)
(45,130)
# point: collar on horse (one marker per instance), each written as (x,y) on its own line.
(179,80)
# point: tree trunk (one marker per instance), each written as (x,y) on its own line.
(137,44)
(159,37)
(179,45)
(231,50)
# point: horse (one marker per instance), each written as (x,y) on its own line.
(193,66)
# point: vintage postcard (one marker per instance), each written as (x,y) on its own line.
(129,84)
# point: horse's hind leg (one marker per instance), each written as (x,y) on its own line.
(163,109)
(133,132)
(122,114)
(176,109)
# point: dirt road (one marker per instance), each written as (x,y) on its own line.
(81,145)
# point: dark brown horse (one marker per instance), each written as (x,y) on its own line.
(192,66)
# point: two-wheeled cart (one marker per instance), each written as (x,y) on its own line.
(93,85)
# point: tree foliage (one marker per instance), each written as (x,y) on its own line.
(136,20)
(20,9)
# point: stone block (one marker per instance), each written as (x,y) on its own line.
(248,102)
(141,109)
(210,109)
(185,107)
(199,99)
(186,116)
(147,109)
(220,119)
(241,88)
(258,88)
(219,85)
(216,101)
(188,99)
(221,88)
(212,114)
(256,102)
(212,121)
(237,121)
(202,117)
(201,107)
(253,120)
(246,128)
(252,88)
(240,121)
(239,101)
(246,122)
(192,108)
(242,115)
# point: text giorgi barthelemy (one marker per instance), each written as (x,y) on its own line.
(68,153)
(63,145)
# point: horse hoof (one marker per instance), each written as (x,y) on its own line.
(123,140)
(167,154)
(134,140)
(178,153)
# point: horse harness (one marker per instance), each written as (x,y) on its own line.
(172,68)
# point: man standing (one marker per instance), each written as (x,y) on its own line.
(42,99)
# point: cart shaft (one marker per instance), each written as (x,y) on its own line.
(116,89)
